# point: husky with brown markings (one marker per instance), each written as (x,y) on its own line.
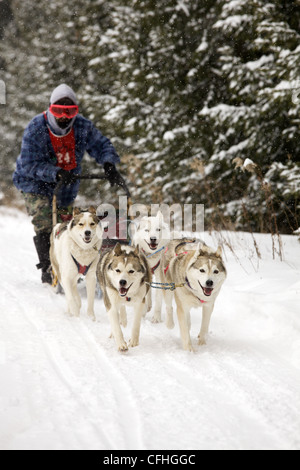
(75,251)
(198,273)
(124,277)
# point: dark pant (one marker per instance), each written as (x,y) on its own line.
(40,209)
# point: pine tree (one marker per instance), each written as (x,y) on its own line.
(257,119)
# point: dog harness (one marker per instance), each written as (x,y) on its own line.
(155,267)
(64,148)
(82,269)
(150,256)
(178,254)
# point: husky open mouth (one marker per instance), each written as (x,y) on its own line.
(152,246)
(123,291)
(87,238)
(206,290)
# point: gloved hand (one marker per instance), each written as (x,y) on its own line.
(113,175)
(66,177)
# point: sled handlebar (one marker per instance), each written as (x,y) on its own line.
(59,185)
(121,184)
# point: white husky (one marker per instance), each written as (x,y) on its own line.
(75,251)
(197,274)
(152,236)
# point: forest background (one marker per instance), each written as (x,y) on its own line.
(201,98)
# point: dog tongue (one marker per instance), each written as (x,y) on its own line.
(123,290)
(207,291)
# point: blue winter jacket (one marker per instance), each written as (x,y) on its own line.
(37,168)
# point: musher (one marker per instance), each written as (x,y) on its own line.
(53,146)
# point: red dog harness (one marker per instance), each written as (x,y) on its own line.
(82,269)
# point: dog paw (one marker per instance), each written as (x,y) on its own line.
(73,314)
(188,348)
(156,319)
(201,341)
(123,348)
(133,343)
(92,316)
(170,323)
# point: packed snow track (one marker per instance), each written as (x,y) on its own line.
(65,386)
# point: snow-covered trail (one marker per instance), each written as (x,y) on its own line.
(64,385)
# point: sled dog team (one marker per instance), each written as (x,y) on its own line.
(184,269)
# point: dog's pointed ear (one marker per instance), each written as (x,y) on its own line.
(199,250)
(160,217)
(118,250)
(205,250)
(92,210)
(195,256)
(219,252)
(71,224)
(76,211)
(136,251)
